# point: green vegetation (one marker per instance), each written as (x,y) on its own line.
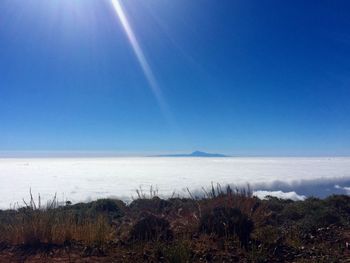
(223,226)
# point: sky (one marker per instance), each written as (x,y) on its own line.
(162,76)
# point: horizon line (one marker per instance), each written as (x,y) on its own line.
(119,154)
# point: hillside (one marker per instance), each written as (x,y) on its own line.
(223,226)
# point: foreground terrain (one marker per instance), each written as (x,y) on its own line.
(225,225)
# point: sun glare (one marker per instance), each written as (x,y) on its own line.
(140,55)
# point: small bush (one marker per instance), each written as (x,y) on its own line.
(224,222)
(154,205)
(314,213)
(109,207)
(276,204)
(317,219)
(151,228)
(341,203)
(242,200)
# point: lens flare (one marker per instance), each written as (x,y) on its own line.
(140,55)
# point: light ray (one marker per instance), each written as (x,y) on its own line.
(140,55)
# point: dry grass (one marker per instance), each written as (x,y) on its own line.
(34,225)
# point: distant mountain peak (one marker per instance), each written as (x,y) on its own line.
(194,154)
(205,154)
(198,152)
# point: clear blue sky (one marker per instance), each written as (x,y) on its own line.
(238,77)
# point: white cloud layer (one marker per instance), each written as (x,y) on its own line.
(83,179)
(283,195)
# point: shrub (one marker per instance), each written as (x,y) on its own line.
(224,222)
(313,213)
(242,200)
(154,205)
(340,203)
(113,209)
(276,204)
(317,219)
(151,228)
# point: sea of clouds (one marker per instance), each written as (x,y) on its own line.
(85,179)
